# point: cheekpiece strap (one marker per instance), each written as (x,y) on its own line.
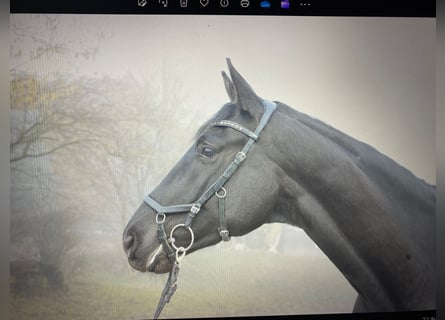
(163,239)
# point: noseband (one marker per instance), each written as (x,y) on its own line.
(175,253)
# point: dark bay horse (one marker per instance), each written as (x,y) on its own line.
(373,218)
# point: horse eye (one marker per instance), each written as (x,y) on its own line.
(207,152)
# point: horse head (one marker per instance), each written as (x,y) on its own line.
(226,207)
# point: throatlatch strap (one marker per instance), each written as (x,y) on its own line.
(223,232)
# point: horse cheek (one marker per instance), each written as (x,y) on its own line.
(253,208)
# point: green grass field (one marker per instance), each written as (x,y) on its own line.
(211,284)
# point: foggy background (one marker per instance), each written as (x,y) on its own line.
(103,106)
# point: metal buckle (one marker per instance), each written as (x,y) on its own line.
(224,234)
(180,254)
(240,157)
(160,217)
(195,209)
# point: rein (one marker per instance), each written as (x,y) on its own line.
(176,254)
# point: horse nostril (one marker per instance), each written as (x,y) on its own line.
(129,245)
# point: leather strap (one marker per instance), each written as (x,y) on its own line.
(223,232)
(236,126)
(168,209)
(163,239)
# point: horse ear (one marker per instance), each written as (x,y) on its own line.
(230,88)
(244,95)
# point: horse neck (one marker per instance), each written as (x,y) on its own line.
(371,217)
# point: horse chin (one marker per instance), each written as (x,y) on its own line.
(157,262)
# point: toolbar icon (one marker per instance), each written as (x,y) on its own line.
(142,3)
(285,4)
(265,4)
(183,3)
(224,3)
(204,2)
(245,3)
(164,3)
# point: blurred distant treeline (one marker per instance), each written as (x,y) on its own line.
(83,153)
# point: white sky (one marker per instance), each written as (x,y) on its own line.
(373,78)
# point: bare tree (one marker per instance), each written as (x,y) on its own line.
(92,143)
(83,150)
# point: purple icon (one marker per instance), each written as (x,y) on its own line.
(285,4)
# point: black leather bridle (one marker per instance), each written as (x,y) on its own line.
(175,253)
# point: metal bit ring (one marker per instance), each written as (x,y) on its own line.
(191,240)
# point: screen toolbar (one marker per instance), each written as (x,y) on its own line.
(394,8)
